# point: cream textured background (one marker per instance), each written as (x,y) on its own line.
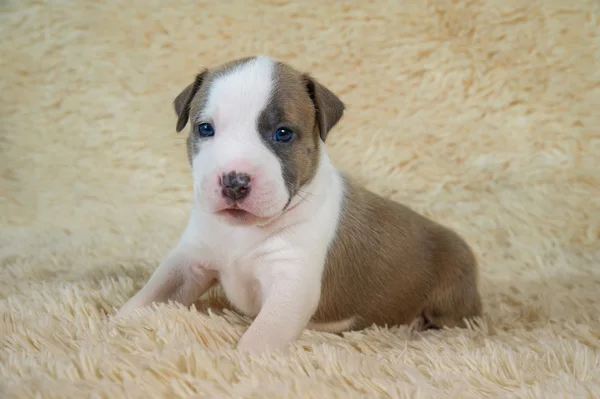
(484,115)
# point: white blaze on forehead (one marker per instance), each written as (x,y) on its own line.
(237,98)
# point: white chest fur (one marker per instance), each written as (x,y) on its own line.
(242,287)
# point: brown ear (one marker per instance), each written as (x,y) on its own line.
(183,100)
(329,108)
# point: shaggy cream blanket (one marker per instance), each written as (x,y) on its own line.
(481,114)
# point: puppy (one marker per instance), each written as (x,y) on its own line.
(294,243)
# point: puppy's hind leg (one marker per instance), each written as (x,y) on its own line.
(452,309)
(455,298)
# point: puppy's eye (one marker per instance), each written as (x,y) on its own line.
(283,135)
(206,130)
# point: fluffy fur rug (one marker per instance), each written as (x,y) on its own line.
(482,114)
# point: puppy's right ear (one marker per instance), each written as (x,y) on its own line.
(183,100)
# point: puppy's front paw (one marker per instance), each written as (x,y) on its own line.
(254,343)
(127,308)
(251,345)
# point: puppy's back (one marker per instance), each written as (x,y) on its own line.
(389,265)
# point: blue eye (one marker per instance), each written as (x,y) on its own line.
(206,130)
(283,135)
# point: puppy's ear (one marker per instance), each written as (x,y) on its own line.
(183,100)
(329,108)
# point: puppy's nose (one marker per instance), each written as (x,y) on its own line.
(235,185)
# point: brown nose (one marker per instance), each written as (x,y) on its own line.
(235,185)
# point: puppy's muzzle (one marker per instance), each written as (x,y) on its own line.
(236,186)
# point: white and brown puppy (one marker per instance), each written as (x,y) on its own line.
(292,241)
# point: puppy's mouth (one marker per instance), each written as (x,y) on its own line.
(238,216)
(235,212)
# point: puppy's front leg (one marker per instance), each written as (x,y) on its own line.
(181,277)
(288,304)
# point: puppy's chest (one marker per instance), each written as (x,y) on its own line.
(252,260)
(242,288)
(236,265)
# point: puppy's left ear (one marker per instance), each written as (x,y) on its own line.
(184,99)
(329,108)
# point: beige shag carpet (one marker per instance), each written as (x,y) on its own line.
(482,114)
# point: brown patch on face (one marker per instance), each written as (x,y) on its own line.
(389,265)
(298,103)
(290,107)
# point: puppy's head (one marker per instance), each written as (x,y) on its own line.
(256,127)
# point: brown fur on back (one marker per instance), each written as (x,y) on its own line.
(388,265)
